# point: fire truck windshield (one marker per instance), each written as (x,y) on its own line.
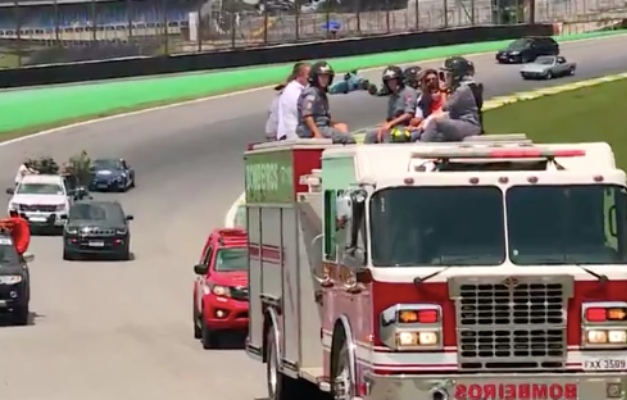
(567,224)
(431,226)
(232,259)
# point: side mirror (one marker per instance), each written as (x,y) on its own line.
(63,216)
(201,269)
(130,218)
(29,257)
(10,191)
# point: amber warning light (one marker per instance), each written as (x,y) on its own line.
(606,314)
(418,316)
(531,152)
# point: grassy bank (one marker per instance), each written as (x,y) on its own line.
(588,114)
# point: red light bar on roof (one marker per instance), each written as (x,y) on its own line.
(227,232)
(529,152)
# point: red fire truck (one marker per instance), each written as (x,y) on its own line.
(490,269)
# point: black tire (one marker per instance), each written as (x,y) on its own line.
(68,255)
(549,75)
(340,362)
(133,183)
(196,323)
(285,388)
(209,339)
(21,315)
(125,255)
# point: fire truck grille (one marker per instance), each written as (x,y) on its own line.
(511,324)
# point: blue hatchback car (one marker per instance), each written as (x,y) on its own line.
(111,174)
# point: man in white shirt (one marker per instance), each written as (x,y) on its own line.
(288,102)
(22,171)
(272,123)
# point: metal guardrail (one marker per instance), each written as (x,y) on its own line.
(102,30)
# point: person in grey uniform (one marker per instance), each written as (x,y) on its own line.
(314,117)
(461,111)
(401,109)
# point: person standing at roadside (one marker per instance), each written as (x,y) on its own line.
(288,102)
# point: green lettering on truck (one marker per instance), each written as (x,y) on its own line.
(269,177)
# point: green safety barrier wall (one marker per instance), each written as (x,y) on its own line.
(38,107)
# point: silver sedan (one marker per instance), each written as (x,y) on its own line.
(548,67)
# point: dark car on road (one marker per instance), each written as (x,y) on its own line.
(14,281)
(97,228)
(527,49)
(111,174)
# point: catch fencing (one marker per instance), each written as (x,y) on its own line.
(34,33)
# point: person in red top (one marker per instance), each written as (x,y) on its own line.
(432,98)
(20,232)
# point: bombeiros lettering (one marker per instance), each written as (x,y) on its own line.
(262,176)
(522,391)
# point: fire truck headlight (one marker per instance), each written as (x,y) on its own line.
(411,327)
(607,336)
(597,337)
(617,336)
(404,339)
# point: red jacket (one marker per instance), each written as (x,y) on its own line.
(20,232)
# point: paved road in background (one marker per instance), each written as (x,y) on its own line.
(123,331)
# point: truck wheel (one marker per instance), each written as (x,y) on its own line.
(67,256)
(208,338)
(280,386)
(342,381)
(20,315)
(196,321)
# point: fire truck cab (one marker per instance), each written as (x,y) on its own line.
(489,269)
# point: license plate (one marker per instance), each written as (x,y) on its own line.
(37,219)
(103,186)
(96,244)
(601,364)
(516,391)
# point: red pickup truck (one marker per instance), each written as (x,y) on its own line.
(221,287)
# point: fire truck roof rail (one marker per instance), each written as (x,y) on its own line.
(496,153)
(290,143)
(510,137)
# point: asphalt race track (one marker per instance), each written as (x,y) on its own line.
(122,331)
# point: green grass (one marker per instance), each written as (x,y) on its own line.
(592,114)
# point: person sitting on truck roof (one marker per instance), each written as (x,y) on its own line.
(287,111)
(460,114)
(401,108)
(26,168)
(314,117)
(430,101)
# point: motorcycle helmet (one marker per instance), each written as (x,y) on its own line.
(320,68)
(393,72)
(456,69)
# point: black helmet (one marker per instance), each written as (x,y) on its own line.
(412,76)
(393,72)
(459,68)
(320,68)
